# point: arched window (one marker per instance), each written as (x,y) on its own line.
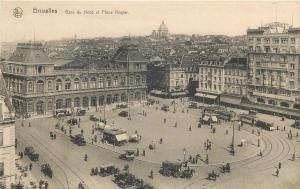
(85,83)
(76,84)
(58,85)
(137,96)
(101,83)
(123,97)
(67,84)
(77,102)
(297,106)
(59,104)
(284,104)
(93,83)
(137,80)
(123,81)
(116,98)
(116,81)
(68,103)
(93,101)
(260,100)
(85,101)
(40,86)
(101,100)
(108,99)
(108,81)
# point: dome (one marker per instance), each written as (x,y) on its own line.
(163,26)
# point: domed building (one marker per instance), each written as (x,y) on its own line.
(162,32)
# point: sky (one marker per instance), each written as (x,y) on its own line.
(193,17)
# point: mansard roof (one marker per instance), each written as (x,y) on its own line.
(31,53)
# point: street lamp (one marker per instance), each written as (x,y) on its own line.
(184,153)
(232,143)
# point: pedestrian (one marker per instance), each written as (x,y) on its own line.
(297,134)
(165,120)
(190,129)
(151,174)
(85,157)
(277,128)
(30,166)
(206,159)
(293,157)
(258,142)
(81,131)
(46,185)
(260,153)
(137,152)
(279,165)
(79,125)
(70,131)
(144,153)
(284,128)
(277,172)
(29,125)
(160,140)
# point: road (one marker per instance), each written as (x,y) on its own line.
(253,171)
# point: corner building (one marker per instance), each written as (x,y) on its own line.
(274,66)
(39,86)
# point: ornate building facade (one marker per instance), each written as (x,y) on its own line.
(7,138)
(40,86)
(274,66)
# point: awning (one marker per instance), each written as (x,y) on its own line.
(206,96)
(178,93)
(214,118)
(206,118)
(231,100)
(156,92)
(122,137)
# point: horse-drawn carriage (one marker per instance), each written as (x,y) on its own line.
(109,169)
(78,139)
(128,180)
(176,169)
(128,155)
(32,155)
(46,169)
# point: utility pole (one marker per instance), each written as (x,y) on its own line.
(232,144)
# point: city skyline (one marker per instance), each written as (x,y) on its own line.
(202,18)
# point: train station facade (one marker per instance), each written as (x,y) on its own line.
(40,86)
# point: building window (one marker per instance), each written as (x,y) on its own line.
(50,104)
(1,169)
(116,81)
(108,81)
(85,83)
(292,66)
(292,84)
(41,69)
(58,86)
(93,83)
(30,87)
(131,80)
(1,138)
(101,83)
(30,107)
(293,40)
(123,81)
(49,85)
(76,84)
(67,84)
(40,86)
(138,80)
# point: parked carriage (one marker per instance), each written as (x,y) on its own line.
(176,169)
(109,169)
(128,155)
(78,139)
(46,169)
(32,155)
(128,180)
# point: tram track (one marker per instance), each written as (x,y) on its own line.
(48,151)
(39,163)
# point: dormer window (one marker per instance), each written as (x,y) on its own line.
(40,69)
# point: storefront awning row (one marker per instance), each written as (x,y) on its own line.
(231,100)
(206,96)
(122,137)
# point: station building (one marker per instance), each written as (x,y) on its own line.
(40,86)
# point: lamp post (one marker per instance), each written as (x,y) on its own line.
(184,153)
(232,143)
